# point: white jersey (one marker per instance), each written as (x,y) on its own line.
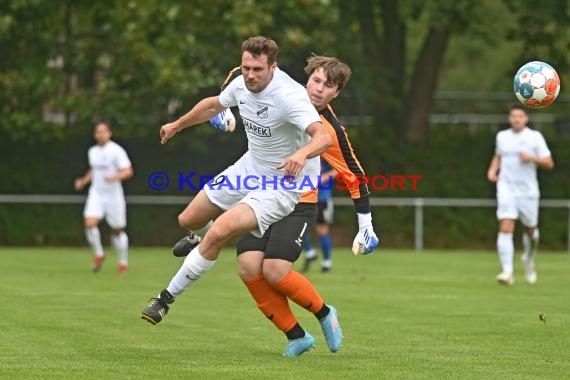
(107,160)
(275,120)
(517,179)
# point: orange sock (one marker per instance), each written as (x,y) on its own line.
(272,304)
(300,290)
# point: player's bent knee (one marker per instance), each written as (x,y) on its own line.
(216,236)
(507,225)
(187,222)
(247,271)
(274,270)
(215,233)
(90,223)
(184,221)
(531,231)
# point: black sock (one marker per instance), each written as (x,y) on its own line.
(295,333)
(166,296)
(323,312)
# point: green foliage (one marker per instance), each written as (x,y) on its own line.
(137,62)
(544,30)
(24,79)
(142,62)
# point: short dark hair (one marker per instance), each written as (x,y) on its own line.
(517,107)
(337,72)
(260,45)
(107,122)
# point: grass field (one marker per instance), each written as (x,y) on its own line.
(405,315)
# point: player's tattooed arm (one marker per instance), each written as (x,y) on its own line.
(203,111)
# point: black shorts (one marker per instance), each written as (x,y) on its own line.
(325,213)
(283,239)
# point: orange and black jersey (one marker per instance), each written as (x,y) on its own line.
(339,155)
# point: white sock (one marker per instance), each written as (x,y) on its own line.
(121,244)
(310,254)
(506,250)
(192,269)
(93,237)
(530,244)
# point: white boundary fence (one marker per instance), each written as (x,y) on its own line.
(417,203)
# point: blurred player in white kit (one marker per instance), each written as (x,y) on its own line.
(519,151)
(109,165)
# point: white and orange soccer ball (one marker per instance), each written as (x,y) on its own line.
(537,84)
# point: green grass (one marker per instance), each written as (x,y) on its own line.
(405,315)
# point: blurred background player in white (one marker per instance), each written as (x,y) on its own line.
(519,151)
(109,165)
(325,215)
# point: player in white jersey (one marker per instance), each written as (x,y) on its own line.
(109,165)
(285,137)
(519,151)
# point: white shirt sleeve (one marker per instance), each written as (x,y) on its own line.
(299,110)
(541,147)
(228,95)
(122,159)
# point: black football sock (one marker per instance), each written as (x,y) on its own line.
(323,312)
(295,333)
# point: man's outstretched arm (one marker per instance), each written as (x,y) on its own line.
(203,111)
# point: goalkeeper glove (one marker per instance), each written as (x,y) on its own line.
(224,121)
(366,239)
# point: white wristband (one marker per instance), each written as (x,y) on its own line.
(364,220)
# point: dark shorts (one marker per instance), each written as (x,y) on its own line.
(325,212)
(283,239)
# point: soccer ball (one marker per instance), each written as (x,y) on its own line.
(537,84)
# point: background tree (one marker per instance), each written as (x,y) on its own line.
(65,63)
(402,47)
